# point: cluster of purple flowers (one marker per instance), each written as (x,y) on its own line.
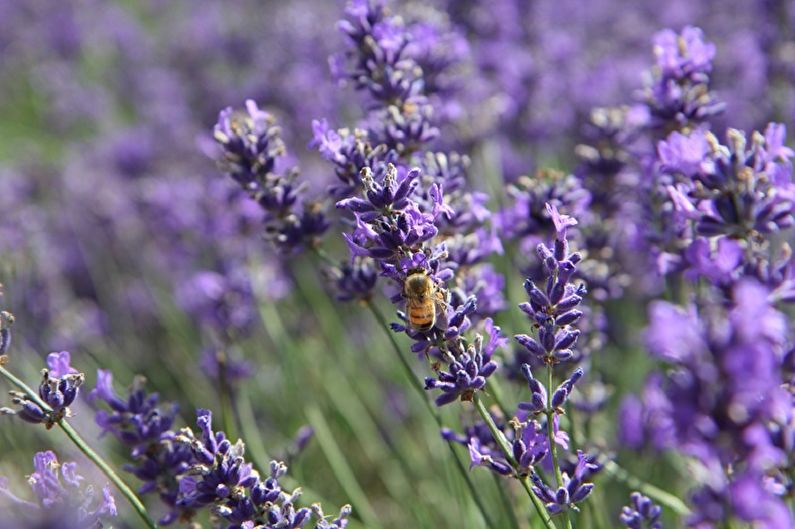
(528,441)
(221,479)
(146,429)
(670,203)
(191,472)
(58,389)
(413,210)
(678,94)
(642,513)
(251,145)
(554,313)
(64,498)
(726,402)
(730,202)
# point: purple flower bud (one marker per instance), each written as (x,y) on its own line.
(568,318)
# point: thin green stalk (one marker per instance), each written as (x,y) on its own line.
(341,468)
(494,388)
(358,411)
(434,413)
(656,493)
(553,452)
(506,501)
(228,412)
(81,444)
(508,453)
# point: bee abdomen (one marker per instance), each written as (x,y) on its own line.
(422,317)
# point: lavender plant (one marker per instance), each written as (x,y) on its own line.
(62,497)
(461,141)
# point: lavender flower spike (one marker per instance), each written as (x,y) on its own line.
(642,513)
(466,374)
(554,309)
(58,389)
(573,490)
(251,144)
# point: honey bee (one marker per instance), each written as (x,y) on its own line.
(424,300)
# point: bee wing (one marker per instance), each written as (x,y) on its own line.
(441,311)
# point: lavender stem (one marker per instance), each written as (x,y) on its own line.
(81,444)
(503,444)
(415,383)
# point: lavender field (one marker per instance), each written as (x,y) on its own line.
(507,264)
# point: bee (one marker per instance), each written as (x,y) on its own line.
(424,300)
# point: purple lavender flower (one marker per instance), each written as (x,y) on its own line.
(222,480)
(144,426)
(528,218)
(465,374)
(58,389)
(645,421)
(354,280)
(220,467)
(678,91)
(223,303)
(573,490)
(251,145)
(349,151)
(739,189)
(554,309)
(216,362)
(378,61)
(61,494)
(725,394)
(527,438)
(642,513)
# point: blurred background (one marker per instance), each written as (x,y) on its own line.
(121,241)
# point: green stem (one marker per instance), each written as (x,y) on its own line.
(81,444)
(506,502)
(508,453)
(434,413)
(553,452)
(341,468)
(494,388)
(656,493)
(225,396)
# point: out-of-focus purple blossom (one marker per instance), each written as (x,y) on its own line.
(641,513)
(215,361)
(645,421)
(61,494)
(300,441)
(528,217)
(740,189)
(222,302)
(380,62)
(678,91)
(58,389)
(355,279)
(6,321)
(725,395)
